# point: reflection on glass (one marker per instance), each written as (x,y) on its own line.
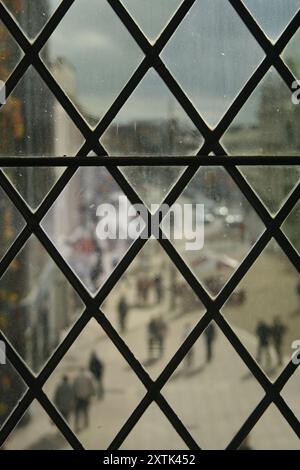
(11,223)
(268,123)
(38,305)
(291,54)
(88,225)
(10,53)
(30,14)
(12,387)
(152,123)
(268,320)
(153,431)
(151,20)
(94,389)
(152,306)
(272,184)
(291,227)
(212,55)
(272,16)
(34,123)
(212,391)
(33,184)
(28,436)
(97,63)
(272,432)
(152,183)
(221,236)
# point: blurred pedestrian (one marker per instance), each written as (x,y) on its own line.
(162,329)
(122,312)
(96,368)
(152,337)
(84,389)
(158,288)
(209,335)
(64,398)
(278,331)
(263,333)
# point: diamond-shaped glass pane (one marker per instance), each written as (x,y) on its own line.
(268,122)
(90,228)
(11,223)
(93,371)
(272,16)
(93,67)
(153,307)
(152,123)
(290,391)
(12,387)
(212,55)
(291,228)
(33,123)
(36,431)
(272,432)
(212,391)
(151,20)
(38,305)
(267,321)
(153,431)
(272,184)
(31,15)
(33,184)
(152,183)
(291,54)
(10,54)
(214,227)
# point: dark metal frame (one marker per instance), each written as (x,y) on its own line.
(211,144)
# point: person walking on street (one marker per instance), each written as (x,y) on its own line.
(83,391)
(96,368)
(122,312)
(278,332)
(64,398)
(263,333)
(158,288)
(209,334)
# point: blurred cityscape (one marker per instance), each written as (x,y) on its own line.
(152,307)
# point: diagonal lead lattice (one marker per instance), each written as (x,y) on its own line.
(211,144)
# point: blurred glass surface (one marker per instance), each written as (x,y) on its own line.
(291,55)
(38,305)
(229,227)
(34,123)
(31,15)
(152,123)
(10,53)
(268,320)
(153,308)
(12,388)
(33,184)
(291,227)
(272,184)
(11,223)
(207,56)
(95,65)
(73,220)
(272,15)
(268,122)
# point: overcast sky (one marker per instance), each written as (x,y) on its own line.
(211,54)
